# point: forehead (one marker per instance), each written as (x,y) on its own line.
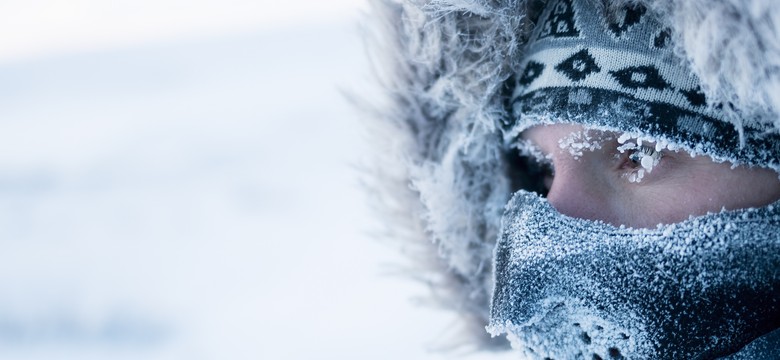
(542,135)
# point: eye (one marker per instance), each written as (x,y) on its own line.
(638,159)
(644,156)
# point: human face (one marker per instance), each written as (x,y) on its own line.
(602,183)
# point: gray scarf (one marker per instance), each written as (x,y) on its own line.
(568,288)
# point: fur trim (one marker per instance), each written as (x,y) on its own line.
(440,175)
(734,48)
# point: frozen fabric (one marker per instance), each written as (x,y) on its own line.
(766,347)
(568,288)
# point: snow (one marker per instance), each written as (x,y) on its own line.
(197,199)
(34,29)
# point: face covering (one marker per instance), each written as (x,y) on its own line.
(568,288)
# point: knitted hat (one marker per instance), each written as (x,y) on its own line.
(621,75)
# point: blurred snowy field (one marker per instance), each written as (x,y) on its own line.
(189,193)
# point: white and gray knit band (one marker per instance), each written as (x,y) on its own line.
(621,74)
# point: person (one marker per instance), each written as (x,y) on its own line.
(599,179)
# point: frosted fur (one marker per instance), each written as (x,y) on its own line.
(439,173)
(733,45)
(439,164)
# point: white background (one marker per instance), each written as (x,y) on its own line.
(178,181)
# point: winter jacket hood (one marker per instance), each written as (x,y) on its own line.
(441,174)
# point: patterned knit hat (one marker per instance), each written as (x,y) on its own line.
(622,75)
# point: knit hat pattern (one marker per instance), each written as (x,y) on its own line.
(621,74)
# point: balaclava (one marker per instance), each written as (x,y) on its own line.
(569,288)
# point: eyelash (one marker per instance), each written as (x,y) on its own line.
(639,161)
(635,160)
(636,156)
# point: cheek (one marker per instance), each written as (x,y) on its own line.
(675,204)
(711,189)
(648,207)
(744,187)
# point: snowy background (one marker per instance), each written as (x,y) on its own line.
(177,181)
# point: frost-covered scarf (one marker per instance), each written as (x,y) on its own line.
(568,288)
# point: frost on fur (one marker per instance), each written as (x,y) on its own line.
(443,67)
(734,48)
(446,65)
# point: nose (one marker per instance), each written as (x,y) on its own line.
(580,190)
(581,186)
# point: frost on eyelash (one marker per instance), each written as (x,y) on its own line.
(578,142)
(647,161)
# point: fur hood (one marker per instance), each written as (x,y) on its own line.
(440,174)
